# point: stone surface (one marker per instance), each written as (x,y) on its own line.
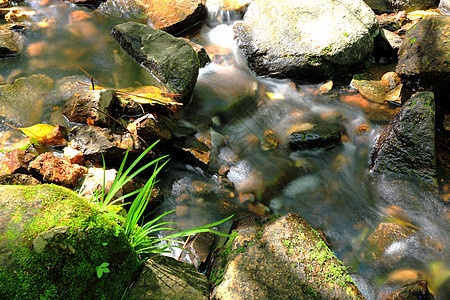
(444,6)
(90,107)
(306,39)
(173,16)
(414,291)
(15,161)
(11,43)
(321,136)
(283,258)
(383,236)
(49,168)
(165,278)
(425,54)
(407,145)
(388,42)
(15,99)
(397,5)
(18,179)
(51,242)
(172,61)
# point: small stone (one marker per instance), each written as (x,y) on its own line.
(57,137)
(56,170)
(390,80)
(415,290)
(397,95)
(15,161)
(363,128)
(384,236)
(223,170)
(18,179)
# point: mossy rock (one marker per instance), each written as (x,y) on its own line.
(51,242)
(274,257)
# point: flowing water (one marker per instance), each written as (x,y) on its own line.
(248,120)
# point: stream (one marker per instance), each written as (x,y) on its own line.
(248,120)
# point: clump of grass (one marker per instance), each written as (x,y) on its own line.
(141,236)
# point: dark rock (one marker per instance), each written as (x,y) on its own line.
(196,149)
(15,99)
(318,137)
(18,179)
(11,43)
(407,145)
(151,129)
(172,16)
(424,56)
(165,278)
(414,291)
(90,107)
(49,168)
(172,61)
(397,5)
(444,6)
(52,241)
(88,3)
(57,137)
(388,42)
(266,254)
(198,249)
(300,39)
(391,22)
(201,52)
(15,161)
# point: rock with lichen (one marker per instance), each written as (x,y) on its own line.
(52,243)
(265,255)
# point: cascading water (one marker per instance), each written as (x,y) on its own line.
(249,120)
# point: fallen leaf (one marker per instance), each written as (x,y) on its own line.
(275,96)
(300,127)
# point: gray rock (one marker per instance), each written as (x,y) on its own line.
(444,6)
(306,39)
(22,102)
(170,60)
(388,42)
(11,43)
(91,107)
(322,136)
(283,258)
(51,242)
(165,278)
(397,5)
(424,56)
(172,16)
(407,145)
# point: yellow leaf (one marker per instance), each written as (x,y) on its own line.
(37,132)
(420,14)
(147,95)
(300,127)
(275,96)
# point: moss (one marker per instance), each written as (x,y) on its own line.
(65,268)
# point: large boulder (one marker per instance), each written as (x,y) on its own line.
(22,102)
(283,258)
(407,144)
(166,278)
(173,16)
(424,56)
(306,39)
(172,61)
(397,5)
(52,244)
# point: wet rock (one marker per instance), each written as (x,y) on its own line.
(425,54)
(165,278)
(391,22)
(18,179)
(384,236)
(90,107)
(95,141)
(15,99)
(388,42)
(198,249)
(321,136)
(57,137)
(415,290)
(11,43)
(371,89)
(266,254)
(407,145)
(151,129)
(397,95)
(397,5)
(51,169)
(196,148)
(172,61)
(390,80)
(201,52)
(172,16)
(52,241)
(306,39)
(444,6)
(405,276)
(15,161)
(88,3)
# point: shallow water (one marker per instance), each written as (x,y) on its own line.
(249,119)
